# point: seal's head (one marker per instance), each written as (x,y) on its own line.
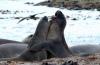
(57,25)
(42,28)
(40,33)
(60,19)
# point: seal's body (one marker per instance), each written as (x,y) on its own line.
(85,49)
(11,50)
(54,45)
(38,37)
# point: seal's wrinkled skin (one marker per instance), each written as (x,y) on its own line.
(40,33)
(39,36)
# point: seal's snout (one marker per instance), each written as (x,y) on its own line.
(59,14)
(60,19)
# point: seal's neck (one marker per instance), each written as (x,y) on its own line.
(54,32)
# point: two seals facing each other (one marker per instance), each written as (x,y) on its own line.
(54,44)
(48,40)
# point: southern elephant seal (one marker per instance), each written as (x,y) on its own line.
(14,45)
(11,50)
(54,45)
(39,36)
(87,49)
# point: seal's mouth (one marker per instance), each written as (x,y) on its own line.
(58,20)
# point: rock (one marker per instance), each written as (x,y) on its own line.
(70,63)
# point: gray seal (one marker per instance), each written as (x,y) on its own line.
(84,50)
(38,37)
(54,45)
(11,50)
(49,42)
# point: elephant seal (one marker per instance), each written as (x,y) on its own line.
(54,45)
(40,33)
(11,50)
(87,49)
(39,36)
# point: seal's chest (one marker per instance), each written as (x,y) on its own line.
(54,31)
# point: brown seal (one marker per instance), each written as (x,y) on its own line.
(39,36)
(84,50)
(54,45)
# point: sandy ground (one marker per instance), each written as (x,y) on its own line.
(84,60)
